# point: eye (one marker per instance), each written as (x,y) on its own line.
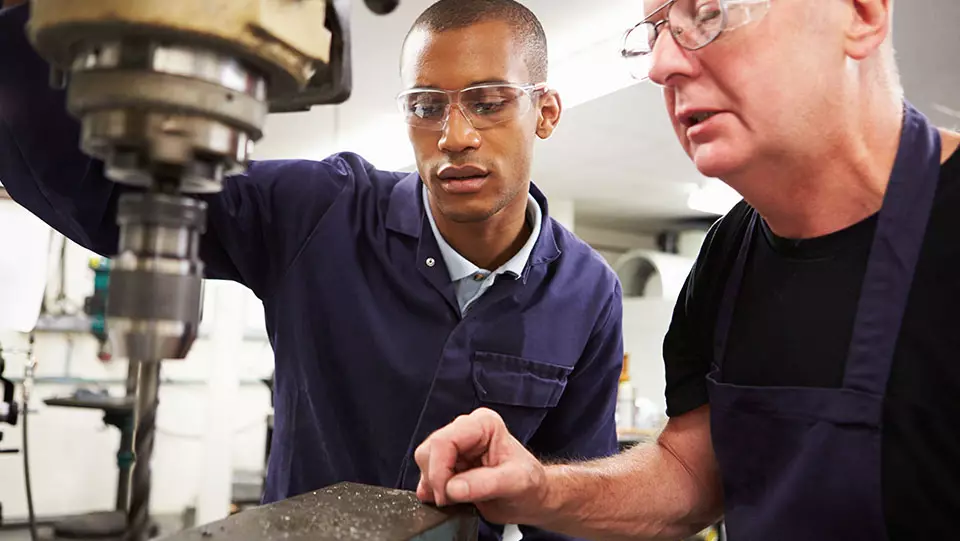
(489,106)
(427,109)
(708,12)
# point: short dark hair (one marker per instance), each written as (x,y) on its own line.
(456,14)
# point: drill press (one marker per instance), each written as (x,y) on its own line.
(171,96)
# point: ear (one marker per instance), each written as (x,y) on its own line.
(868,28)
(550,109)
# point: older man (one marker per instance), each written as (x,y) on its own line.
(812,373)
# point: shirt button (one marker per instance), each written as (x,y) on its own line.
(431,262)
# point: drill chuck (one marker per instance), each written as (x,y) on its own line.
(153,308)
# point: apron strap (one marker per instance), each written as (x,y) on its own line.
(896,248)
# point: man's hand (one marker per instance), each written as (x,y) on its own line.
(475,459)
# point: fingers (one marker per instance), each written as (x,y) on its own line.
(424,493)
(484,484)
(462,439)
(437,458)
(452,449)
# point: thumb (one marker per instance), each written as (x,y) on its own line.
(487,483)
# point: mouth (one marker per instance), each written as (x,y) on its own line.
(462,179)
(690,120)
(454,173)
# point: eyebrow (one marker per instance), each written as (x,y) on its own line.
(473,83)
(490,81)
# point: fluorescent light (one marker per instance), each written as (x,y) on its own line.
(949,112)
(946,110)
(713,197)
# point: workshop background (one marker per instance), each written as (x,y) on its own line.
(614,174)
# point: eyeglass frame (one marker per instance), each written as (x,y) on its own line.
(453,98)
(627,54)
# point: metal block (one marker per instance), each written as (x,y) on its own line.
(344,511)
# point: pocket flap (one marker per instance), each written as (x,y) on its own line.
(515,381)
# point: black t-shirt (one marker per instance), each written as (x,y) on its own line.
(792,327)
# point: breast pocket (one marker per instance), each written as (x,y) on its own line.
(521,390)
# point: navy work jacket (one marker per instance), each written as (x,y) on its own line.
(371,351)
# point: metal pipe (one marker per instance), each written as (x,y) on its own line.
(125,455)
(125,466)
(145,415)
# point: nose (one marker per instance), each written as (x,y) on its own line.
(458,133)
(669,59)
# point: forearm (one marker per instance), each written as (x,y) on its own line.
(645,493)
(664,490)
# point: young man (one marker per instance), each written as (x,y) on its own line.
(395,302)
(816,339)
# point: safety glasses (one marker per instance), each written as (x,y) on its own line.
(694,24)
(484,105)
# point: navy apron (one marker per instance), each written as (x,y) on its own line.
(803,464)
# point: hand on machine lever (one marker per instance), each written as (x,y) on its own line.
(171,96)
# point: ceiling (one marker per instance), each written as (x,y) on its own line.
(614,152)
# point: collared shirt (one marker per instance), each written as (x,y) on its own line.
(371,352)
(470,280)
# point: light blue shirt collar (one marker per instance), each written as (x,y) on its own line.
(459,267)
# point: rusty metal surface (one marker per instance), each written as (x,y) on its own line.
(346,511)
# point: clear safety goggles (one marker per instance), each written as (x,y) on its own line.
(484,105)
(694,24)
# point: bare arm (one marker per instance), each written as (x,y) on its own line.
(666,490)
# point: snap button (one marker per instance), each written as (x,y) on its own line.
(431,262)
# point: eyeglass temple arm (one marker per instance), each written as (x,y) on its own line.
(627,53)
